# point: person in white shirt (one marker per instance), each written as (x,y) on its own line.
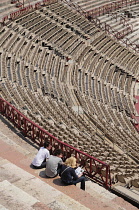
(42,155)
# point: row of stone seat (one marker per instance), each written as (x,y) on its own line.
(48,95)
(40,115)
(108,47)
(124,17)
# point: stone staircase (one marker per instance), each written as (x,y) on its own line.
(22,190)
(22,187)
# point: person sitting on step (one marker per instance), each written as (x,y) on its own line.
(42,156)
(68,174)
(54,163)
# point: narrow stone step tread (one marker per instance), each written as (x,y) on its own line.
(39,190)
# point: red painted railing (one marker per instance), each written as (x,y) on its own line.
(110,7)
(121,34)
(21,12)
(94,168)
(93,14)
(28,8)
(5,18)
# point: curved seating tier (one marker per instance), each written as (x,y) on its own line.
(119,18)
(74,81)
(123,18)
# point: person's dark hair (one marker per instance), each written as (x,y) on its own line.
(58,152)
(46,144)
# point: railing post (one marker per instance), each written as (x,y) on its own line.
(108,178)
(106,182)
(90,166)
(76,154)
(12,113)
(25,127)
(18,120)
(8,110)
(33,133)
(62,148)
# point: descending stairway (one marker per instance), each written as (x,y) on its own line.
(22,187)
(22,190)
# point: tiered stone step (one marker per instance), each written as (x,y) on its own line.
(14,197)
(36,185)
(16,155)
(129,194)
(21,190)
(112,199)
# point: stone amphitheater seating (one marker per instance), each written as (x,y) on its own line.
(88,5)
(48,67)
(24,187)
(123,19)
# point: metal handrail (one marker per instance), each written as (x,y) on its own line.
(94,168)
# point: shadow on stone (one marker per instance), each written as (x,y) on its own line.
(31,166)
(58,182)
(42,174)
(17,132)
